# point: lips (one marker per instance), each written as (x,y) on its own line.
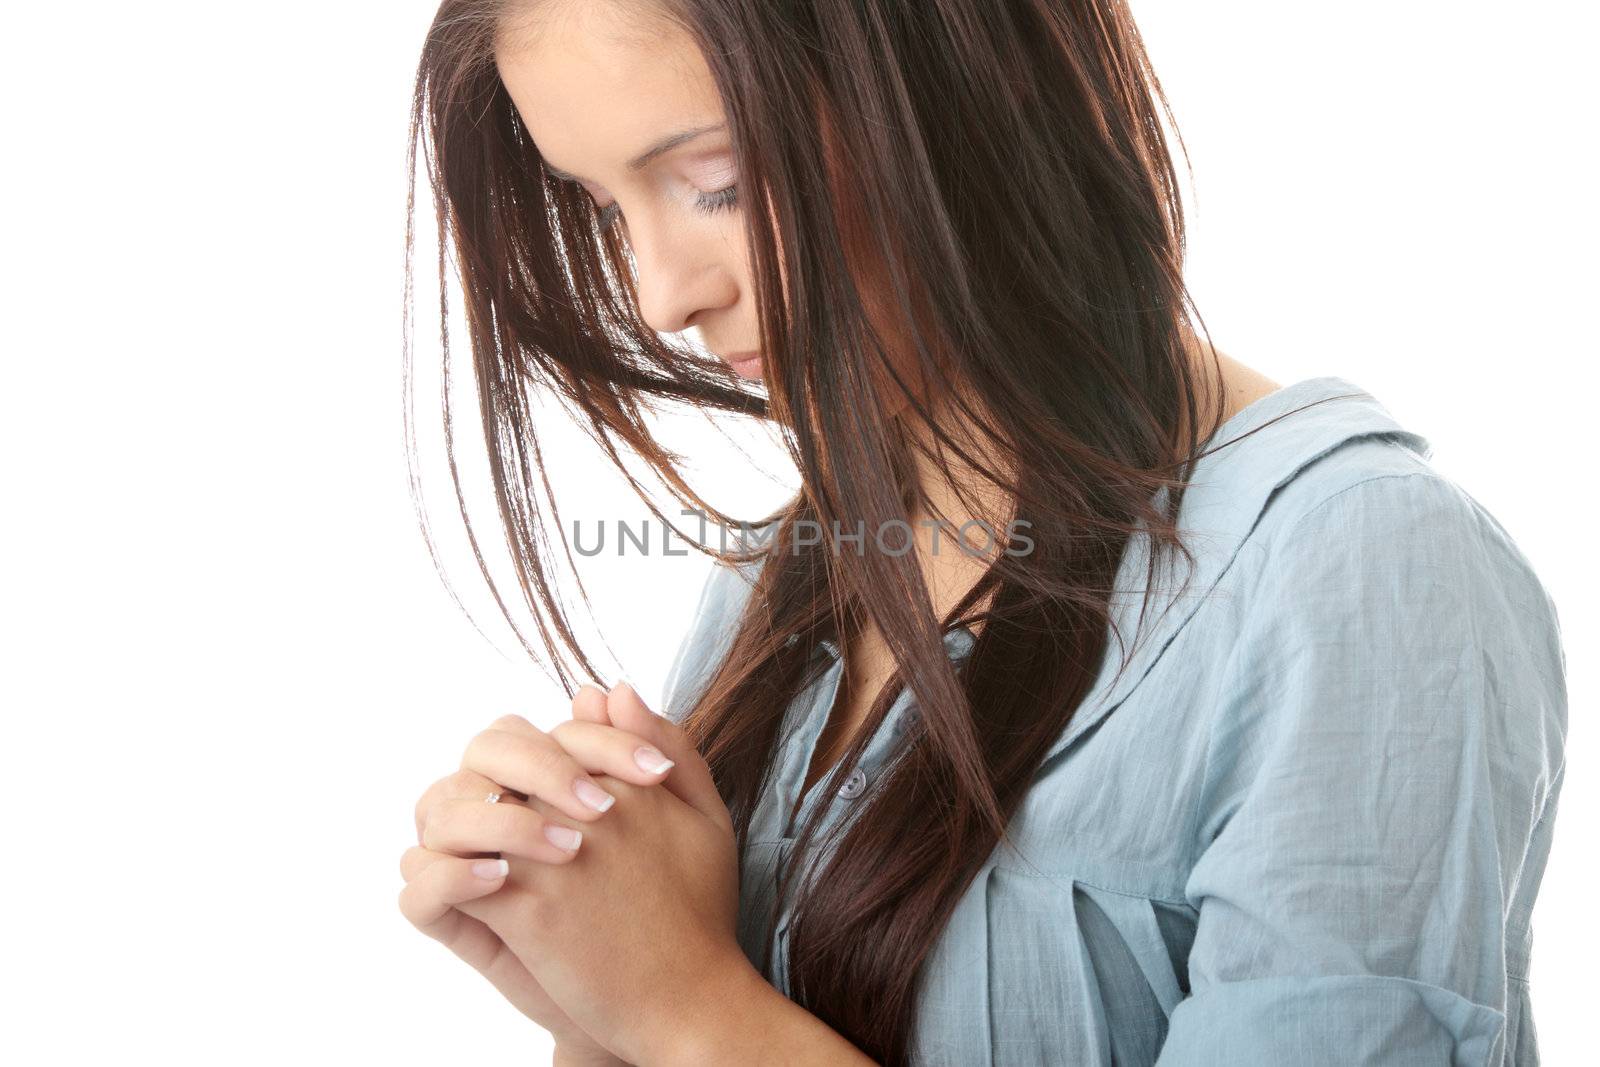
(744,364)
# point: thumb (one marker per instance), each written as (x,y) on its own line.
(690,779)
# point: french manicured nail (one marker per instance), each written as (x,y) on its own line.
(563,836)
(490,869)
(592,795)
(650,760)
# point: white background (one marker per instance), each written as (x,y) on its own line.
(230,667)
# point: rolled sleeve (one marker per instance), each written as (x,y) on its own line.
(1389,735)
(1343,1019)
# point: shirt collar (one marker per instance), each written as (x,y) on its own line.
(958,641)
(1229,490)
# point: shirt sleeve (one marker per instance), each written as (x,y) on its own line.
(1390,735)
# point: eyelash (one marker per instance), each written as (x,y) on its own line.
(724,199)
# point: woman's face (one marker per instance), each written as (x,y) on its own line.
(626,108)
(622,103)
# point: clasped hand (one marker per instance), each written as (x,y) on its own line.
(590,942)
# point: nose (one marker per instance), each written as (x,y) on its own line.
(679,275)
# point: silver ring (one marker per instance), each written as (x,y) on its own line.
(492,798)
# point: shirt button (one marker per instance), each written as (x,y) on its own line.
(853,785)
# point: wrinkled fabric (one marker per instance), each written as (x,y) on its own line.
(1307,825)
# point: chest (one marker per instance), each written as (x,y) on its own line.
(1071,943)
(864,672)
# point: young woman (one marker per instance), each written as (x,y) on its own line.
(1096,700)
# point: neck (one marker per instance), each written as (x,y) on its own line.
(956,491)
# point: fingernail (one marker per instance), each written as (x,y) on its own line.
(650,760)
(490,869)
(563,836)
(592,795)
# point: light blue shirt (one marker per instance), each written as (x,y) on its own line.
(1308,824)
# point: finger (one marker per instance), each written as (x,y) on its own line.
(457,786)
(604,749)
(417,861)
(468,826)
(522,757)
(435,884)
(589,704)
(691,779)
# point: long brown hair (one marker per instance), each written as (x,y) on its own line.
(994,176)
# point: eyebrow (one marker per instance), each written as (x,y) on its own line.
(644,159)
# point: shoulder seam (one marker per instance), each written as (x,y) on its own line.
(1325,501)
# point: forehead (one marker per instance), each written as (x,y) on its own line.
(595,83)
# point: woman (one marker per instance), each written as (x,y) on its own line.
(959,767)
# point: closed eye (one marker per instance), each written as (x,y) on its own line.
(724,199)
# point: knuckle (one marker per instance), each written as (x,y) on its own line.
(484,741)
(403,901)
(413,902)
(411,862)
(461,783)
(424,809)
(419,816)
(513,723)
(439,828)
(430,796)
(466,784)
(550,759)
(484,751)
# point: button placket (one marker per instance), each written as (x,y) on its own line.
(957,642)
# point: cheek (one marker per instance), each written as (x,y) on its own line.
(872,280)
(870,274)
(888,323)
